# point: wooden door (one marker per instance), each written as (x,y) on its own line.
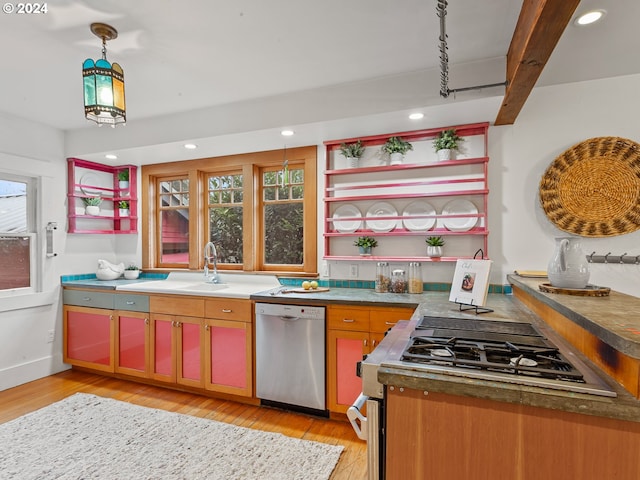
(162,341)
(132,343)
(345,348)
(189,353)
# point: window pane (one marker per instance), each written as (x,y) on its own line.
(283,233)
(269,194)
(225,217)
(174,236)
(13,205)
(16,262)
(225,225)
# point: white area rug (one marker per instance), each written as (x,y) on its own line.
(89,437)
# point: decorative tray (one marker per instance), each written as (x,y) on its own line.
(589,291)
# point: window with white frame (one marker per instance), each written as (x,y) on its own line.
(18,237)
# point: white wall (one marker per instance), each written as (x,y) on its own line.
(552,121)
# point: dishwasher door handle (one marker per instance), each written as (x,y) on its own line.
(289,318)
(357,420)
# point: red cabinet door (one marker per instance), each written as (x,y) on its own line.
(88,337)
(190,351)
(132,343)
(228,359)
(162,336)
(344,350)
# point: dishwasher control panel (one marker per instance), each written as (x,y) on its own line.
(304,311)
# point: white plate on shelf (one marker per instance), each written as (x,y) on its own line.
(382,209)
(417,208)
(459,207)
(91,180)
(346,211)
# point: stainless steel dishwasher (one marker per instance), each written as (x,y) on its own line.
(290,356)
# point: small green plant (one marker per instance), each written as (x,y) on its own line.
(366,242)
(396,145)
(352,150)
(435,241)
(132,267)
(123,205)
(123,175)
(92,201)
(447,140)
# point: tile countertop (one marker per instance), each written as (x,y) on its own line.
(614,319)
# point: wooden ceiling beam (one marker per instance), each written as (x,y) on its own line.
(539,28)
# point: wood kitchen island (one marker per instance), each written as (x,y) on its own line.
(449,427)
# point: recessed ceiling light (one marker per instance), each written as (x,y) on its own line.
(111,156)
(416,116)
(286,133)
(590,17)
(190,146)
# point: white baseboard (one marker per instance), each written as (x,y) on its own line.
(27,372)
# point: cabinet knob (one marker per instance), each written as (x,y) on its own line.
(373,343)
(86,299)
(390,323)
(348,320)
(146,321)
(130,302)
(206,328)
(365,342)
(226,310)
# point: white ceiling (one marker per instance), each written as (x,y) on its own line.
(217,69)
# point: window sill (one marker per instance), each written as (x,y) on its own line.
(27,300)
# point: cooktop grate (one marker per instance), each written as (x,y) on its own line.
(476,325)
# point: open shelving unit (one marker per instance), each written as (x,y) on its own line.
(90,179)
(420,178)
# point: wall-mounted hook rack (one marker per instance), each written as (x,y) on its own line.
(619,259)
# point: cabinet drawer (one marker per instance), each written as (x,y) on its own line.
(87,298)
(348,319)
(382,319)
(228,309)
(134,303)
(174,305)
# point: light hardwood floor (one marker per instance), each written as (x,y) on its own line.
(26,398)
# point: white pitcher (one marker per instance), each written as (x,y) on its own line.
(568,268)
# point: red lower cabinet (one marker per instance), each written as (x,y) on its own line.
(228,357)
(132,343)
(88,337)
(177,351)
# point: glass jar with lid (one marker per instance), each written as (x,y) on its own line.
(415,277)
(382,277)
(398,281)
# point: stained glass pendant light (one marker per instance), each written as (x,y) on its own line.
(104,83)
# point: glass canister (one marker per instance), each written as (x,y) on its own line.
(415,277)
(398,281)
(382,277)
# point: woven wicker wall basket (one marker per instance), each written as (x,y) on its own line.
(593,189)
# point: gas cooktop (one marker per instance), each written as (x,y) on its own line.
(511,352)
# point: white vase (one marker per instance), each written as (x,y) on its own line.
(444,154)
(352,162)
(123,184)
(568,267)
(93,210)
(124,212)
(433,251)
(396,158)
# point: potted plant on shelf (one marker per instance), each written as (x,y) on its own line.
(93,205)
(131,272)
(365,244)
(396,148)
(123,179)
(434,247)
(446,142)
(123,208)
(352,152)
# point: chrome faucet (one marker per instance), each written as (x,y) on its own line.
(211,256)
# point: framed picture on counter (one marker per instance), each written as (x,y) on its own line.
(470,283)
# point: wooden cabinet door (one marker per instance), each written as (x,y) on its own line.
(88,337)
(344,350)
(162,340)
(132,343)
(189,352)
(229,357)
